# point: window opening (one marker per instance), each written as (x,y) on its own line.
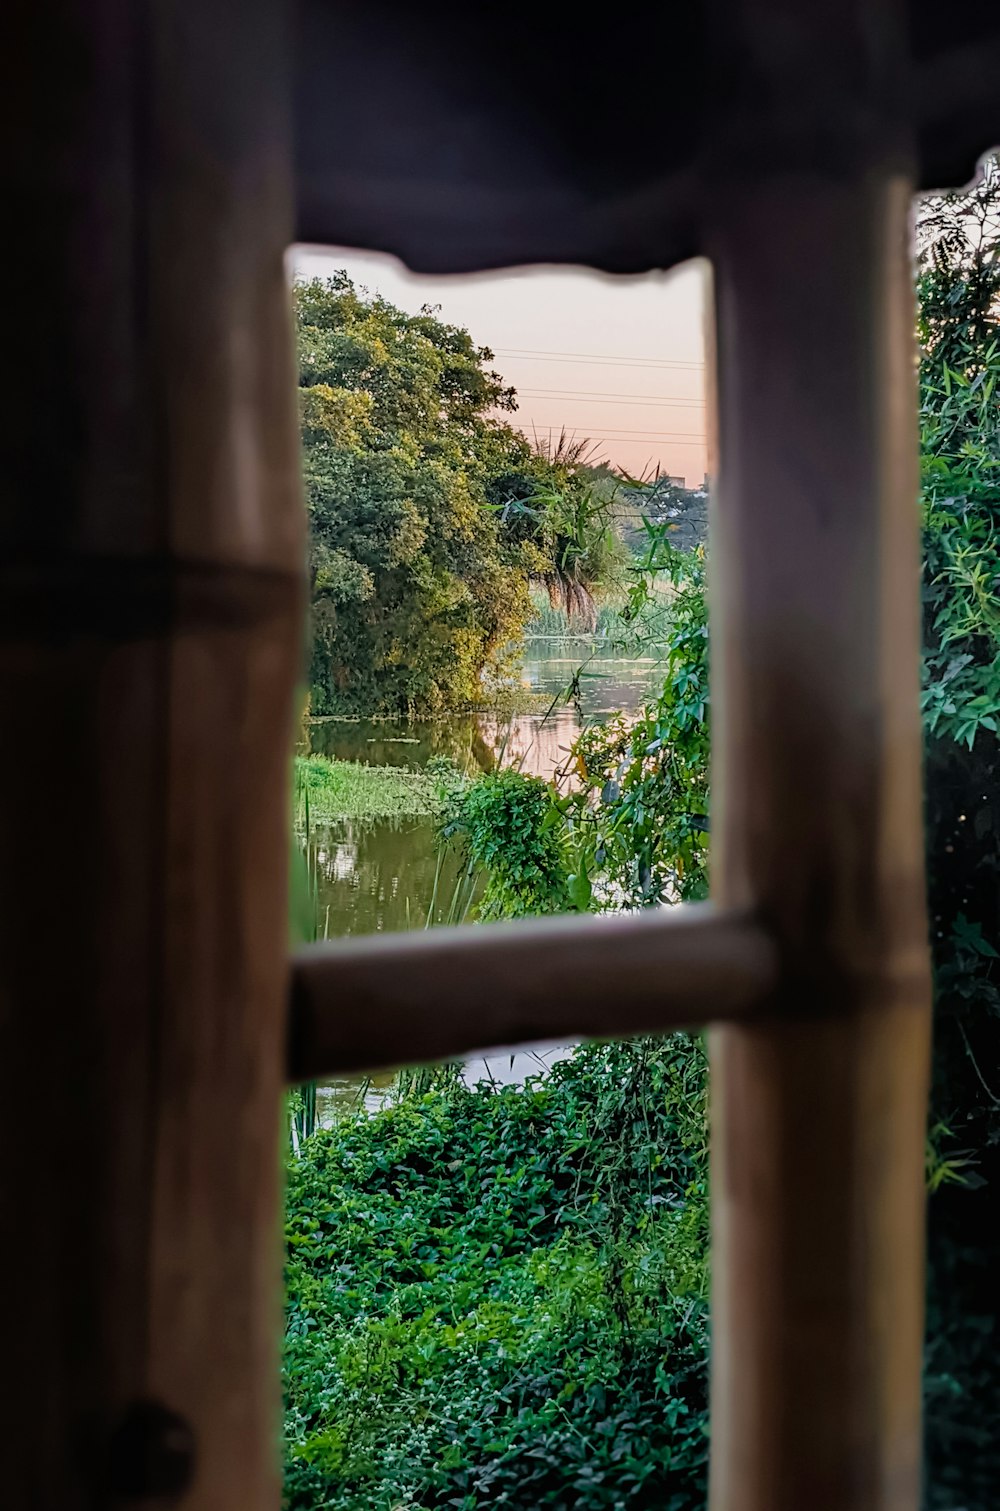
(490,1259)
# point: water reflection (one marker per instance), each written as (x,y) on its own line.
(502,1067)
(605,682)
(385,875)
(382,876)
(402,743)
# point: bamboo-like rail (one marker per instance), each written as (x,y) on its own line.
(365,1004)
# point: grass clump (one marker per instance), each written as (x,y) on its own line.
(327,790)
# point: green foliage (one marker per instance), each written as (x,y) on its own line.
(498,1298)
(415,593)
(505,821)
(682,511)
(959,291)
(553,623)
(419,561)
(631,830)
(637,825)
(638,814)
(303,897)
(960,453)
(327,789)
(571,517)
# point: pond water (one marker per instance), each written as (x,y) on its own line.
(388,876)
(381,875)
(505,1067)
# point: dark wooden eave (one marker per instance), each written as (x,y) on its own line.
(465,137)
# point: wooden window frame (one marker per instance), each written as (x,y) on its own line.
(810,964)
(151,625)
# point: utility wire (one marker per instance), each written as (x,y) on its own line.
(593,359)
(634,400)
(662,435)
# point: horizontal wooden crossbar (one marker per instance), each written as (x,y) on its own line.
(365,1004)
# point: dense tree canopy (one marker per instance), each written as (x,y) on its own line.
(429,513)
(414,591)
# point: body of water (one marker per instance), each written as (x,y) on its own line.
(388,875)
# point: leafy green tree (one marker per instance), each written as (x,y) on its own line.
(429,513)
(416,590)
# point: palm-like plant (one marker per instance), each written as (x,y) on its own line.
(572,516)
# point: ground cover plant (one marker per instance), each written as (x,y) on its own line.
(497,1298)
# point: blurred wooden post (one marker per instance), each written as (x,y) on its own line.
(818,1113)
(149,645)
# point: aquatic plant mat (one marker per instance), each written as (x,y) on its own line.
(327,790)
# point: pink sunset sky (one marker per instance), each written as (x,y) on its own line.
(620,361)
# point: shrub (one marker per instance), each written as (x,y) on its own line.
(511,835)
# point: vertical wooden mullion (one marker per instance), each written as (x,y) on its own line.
(150,640)
(818,1109)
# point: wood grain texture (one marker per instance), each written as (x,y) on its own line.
(819,1113)
(369,1003)
(150,639)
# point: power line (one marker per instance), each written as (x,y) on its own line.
(617,393)
(691,435)
(593,359)
(528,351)
(663,435)
(580,397)
(523,422)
